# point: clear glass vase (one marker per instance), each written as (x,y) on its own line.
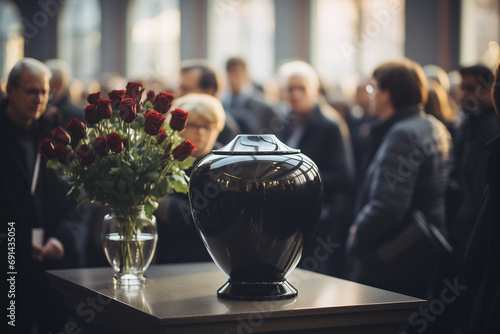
(129,239)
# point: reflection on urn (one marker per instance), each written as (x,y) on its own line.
(255,203)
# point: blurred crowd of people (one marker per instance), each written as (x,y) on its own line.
(407,169)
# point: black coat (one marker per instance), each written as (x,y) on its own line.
(252,115)
(58,217)
(468,178)
(69,110)
(482,257)
(322,141)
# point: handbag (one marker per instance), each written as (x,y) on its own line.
(421,237)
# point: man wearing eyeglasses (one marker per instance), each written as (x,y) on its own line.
(468,178)
(42,227)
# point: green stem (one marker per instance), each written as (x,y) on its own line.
(167,167)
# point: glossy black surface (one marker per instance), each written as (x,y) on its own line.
(255,211)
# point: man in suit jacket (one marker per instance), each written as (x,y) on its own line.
(245,101)
(198,76)
(408,171)
(468,177)
(32,196)
(306,127)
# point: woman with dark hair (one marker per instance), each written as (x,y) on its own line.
(406,177)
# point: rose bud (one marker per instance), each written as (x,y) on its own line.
(104,108)
(46,148)
(85,155)
(77,129)
(134,90)
(163,102)
(161,136)
(183,151)
(150,96)
(99,144)
(125,142)
(92,98)
(127,110)
(114,142)
(153,122)
(178,120)
(91,114)
(116,96)
(60,135)
(63,154)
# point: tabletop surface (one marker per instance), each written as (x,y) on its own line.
(182,293)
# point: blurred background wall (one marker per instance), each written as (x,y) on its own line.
(343,39)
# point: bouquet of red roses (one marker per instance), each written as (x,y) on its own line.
(127,154)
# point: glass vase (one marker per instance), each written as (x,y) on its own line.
(129,239)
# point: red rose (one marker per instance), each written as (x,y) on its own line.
(77,129)
(104,108)
(60,136)
(92,98)
(184,150)
(85,155)
(46,148)
(150,96)
(116,96)
(178,120)
(127,110)
(100,146)
(153,122)
(63,154)
(114,142)
(163,102)
(161,136)
(91,114)
(134,90)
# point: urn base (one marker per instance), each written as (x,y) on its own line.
(257,290)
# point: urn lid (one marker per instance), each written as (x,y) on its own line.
(255,145)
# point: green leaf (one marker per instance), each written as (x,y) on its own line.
(53,164)
(186,164)
(179,183)
(150,207)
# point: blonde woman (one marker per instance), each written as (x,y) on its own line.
(178,239)
(206,120)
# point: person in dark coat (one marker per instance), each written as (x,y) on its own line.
(198,76)
(468,178)
(308,127)
(59,87)
(407,172)
(32,196)
(245,102)
(482,257)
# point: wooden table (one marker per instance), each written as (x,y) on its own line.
(182,298)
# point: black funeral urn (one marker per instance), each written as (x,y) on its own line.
(256,204)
